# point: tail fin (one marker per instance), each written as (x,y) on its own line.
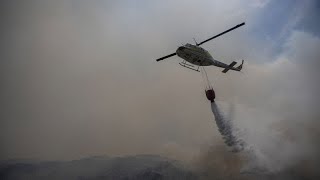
(240,66)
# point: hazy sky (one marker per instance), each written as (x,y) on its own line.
(79,78)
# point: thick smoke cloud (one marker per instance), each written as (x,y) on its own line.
(78,73)
(279,124)
(79,79)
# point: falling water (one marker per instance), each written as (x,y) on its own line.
(226,130)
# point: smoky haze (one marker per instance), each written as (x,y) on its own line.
(80,79)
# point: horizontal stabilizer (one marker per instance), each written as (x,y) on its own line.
(229,67)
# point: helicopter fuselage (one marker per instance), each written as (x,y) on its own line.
(198,56)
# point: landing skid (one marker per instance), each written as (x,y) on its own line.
(189,66)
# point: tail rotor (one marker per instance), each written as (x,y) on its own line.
(240,66)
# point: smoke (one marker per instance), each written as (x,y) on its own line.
(279,134)
(275,112)
(80,79)
(267,152)
(217,162)
(252,160)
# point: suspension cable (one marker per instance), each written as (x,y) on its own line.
(208,82)
(205,77)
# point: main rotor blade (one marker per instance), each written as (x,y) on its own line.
(222,33)
(166,56)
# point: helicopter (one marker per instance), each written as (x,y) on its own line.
(194,55)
